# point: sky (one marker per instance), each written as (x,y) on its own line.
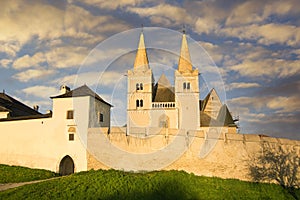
(253,44)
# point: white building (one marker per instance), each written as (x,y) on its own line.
(57,140)
(151,105)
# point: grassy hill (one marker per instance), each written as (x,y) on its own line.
(15,174)
(112,184)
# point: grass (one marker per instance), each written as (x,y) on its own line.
(112,184)
(15,174)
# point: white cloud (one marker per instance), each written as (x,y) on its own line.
(106,79)
(265,34)
(27,61)
(5,63)
(41,91)
(163,13)
(33,74)
(241,85)
(67,56)
(23,22)
(278,104)
(112,5)
(267,67)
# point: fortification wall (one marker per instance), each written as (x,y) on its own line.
(223,155)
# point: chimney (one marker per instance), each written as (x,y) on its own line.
(64,89)
(36,107)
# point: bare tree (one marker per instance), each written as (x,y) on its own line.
(277,164)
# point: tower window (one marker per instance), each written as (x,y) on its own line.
(141,86)
(141,103)
(137,86)
(70,114)
(186,85)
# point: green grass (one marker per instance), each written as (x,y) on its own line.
(112,184)
(15,174)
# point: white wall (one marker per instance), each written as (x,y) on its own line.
(42,143)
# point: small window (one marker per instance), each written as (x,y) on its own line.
(137,86)
(141,86)
(70,114)
(188,86)
(184,85)
(100,117)
(71,136)
(141,103)
(137,103)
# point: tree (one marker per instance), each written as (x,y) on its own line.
(277,164)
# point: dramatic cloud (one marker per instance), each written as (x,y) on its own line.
(266,34)
(267,67)
(163,14)
(241,85)
(278,104)
(255,45)
(34,74)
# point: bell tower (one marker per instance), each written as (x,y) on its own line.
(187,90)
(139,89)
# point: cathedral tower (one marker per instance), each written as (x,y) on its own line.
(187,90)
(139,89)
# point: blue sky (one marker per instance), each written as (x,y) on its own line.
(255,45)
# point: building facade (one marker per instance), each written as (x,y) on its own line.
(57,140)
(161,105)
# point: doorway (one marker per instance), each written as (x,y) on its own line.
(66,166)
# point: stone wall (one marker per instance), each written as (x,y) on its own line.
(200,152)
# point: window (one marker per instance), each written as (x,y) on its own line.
(70,114)
(100,117)
(186,85)
(71,136)
(137,86)
(141,103)
(141,86)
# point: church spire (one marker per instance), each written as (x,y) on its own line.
(141,59)
(184,63)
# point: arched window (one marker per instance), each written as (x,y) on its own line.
(188,86)
(137,103)
(141,86)
(184,85)
(141,103)
(137,86)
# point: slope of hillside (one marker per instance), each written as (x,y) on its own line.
(112,184)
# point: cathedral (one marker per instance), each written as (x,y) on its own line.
(152,105)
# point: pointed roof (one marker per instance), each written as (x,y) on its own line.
(15,107)
(163,81)
(141,58)
(184,64)
(163,90)
(225,117)
(212,93)
(80,92)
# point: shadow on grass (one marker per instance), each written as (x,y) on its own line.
(170,189)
